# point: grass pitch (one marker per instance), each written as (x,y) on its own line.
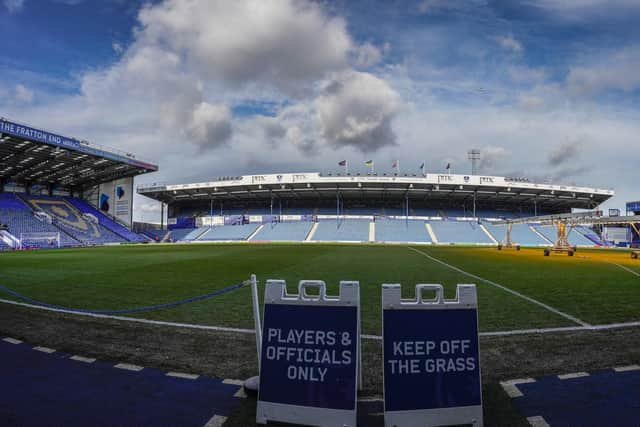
(589,286)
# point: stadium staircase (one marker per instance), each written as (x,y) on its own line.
(312,232)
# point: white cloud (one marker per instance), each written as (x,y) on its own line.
(509,43)
(13,6)
(357,109)
(117,47)
(522,74)
(530,101)
(366,56)
(280,43)
(23,94)
(581,10)
(210,125)
(617,71)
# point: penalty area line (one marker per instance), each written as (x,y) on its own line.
(504,288)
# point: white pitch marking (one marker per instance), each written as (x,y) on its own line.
(573,375)
(129,367)
(626,269)
(233,382)
(511,386)
(252,331)
(182,375)
(44,350)
(82,359)
(240,393)
(504,288)
(627,368)
(216,421)
(537,421)
(12,340)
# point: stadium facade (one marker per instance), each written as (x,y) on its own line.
(53,185)
(430,208)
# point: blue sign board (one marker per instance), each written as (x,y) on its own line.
(309,355)
(434,351)
(38,135)
(633,207)
(431,358)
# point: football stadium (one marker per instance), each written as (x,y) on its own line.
(81,280)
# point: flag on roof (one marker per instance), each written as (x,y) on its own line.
(448,166)
(342,163)
(369,163)
(421,166)
(395,164)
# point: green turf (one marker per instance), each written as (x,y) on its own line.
(133,276)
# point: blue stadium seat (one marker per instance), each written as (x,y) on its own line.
(228,232)
(521,234)
(284,231)
(71,220)
(574,237)
(389,230)
(105,221)
(179,234)
(459,232)
(354,230)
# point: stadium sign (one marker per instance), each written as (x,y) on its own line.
(27,132)
(310,355)
(431,358)
(39,135)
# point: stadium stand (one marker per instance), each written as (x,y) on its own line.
(179,234)
(284,231)
(459,232)
(573,236)
(105,221)
(19,218)
(155,235)
(228,232)
(521,234)
(69,219)
(591,235)
(389,230)
(349,230)
(424,212)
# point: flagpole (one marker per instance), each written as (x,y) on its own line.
(346,166)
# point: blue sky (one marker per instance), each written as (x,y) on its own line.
(548,90)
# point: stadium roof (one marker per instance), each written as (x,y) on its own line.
(34,155)
(437,188)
